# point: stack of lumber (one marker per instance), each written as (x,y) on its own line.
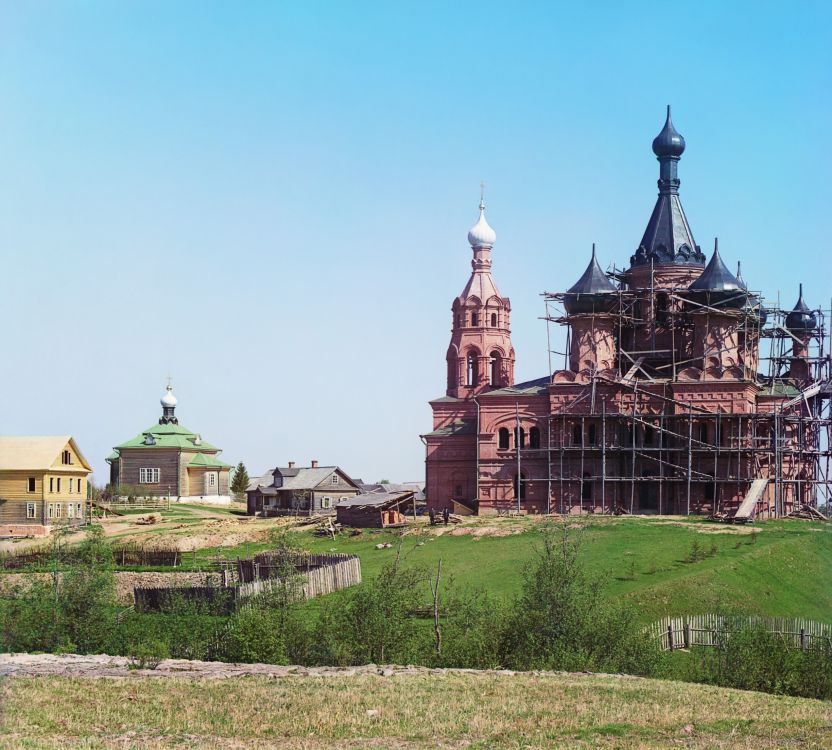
(808,513)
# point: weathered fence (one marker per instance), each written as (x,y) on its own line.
(274,564)
(339,573)
(316,575)
(124,556)
(712,630)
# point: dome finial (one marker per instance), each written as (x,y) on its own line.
(668,143)
(481,234)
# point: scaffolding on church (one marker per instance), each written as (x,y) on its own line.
(608,455)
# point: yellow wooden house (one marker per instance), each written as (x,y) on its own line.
(43,483)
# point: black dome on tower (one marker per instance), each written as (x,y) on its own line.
(669,142)
(718,285)
(668,238)
(801,318)
(593,292)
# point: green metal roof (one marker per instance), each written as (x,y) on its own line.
(208,461)
(168,436)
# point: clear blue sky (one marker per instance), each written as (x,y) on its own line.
(269,201)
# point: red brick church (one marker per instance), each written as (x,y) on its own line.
(682,391)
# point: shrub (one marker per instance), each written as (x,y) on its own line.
(562,620)
(148,654)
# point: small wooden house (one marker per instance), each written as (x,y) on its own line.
(43,483)
(299,491)
(376,510)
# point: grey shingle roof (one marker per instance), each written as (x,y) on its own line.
(375,499)
(529,388)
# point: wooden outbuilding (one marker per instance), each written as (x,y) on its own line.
(375,510)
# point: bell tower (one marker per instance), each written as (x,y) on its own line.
(480,355)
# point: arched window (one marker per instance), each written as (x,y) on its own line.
(502,439)
(519,437)
(534,437)
(586,487)
(493,320)
(458,491)
(593,437)
(703,432)
(472,374)
(519,484)
(496,367)
(661,307)
(475,319)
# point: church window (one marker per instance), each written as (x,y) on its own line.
(148,476)
(502,438)
(534,437)
(709,491)
(519,486)
(577,437)
(458,490)
(495,378)
(472,370)
(592,435)
(661,307)
(649,435)
(493,320)
(586,487)
(475,319)
(519,437)
(703,432)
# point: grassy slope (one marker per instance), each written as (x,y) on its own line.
(464,710)
(785,572)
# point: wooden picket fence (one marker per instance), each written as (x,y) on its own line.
(711,630)
(339,573)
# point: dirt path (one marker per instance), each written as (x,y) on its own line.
(102,665)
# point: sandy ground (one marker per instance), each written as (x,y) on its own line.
(102,665)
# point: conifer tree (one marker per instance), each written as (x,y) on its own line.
(240,481)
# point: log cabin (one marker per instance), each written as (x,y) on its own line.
(305,491)
(43,484)
(377,510)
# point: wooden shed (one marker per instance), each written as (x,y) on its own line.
(376,510)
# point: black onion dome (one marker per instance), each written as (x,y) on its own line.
(592,292)
(801,318)
(669,142)
(718,284)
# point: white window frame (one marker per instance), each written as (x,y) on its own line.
(31,510)
(341,499)
(50,510)
(70,511)
(334,479)
(326,502)
(79,510)
(57,510)
(212,478)
(149,475)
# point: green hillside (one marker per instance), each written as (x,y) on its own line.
(776,568)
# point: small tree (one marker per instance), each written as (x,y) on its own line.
(240,481)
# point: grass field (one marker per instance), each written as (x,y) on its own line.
(780,568)
(452,710)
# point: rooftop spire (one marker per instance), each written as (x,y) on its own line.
(668,238)
(168,402)
(801,318)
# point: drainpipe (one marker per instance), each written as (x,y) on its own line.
(477,458)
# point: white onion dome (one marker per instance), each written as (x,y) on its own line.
(168,400)
(481,234)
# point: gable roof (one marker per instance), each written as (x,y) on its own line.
(36,452)
(303,478)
